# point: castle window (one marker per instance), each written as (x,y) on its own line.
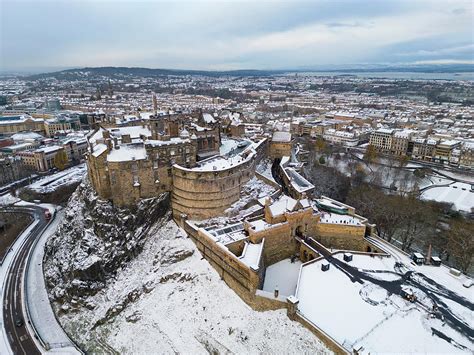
(187,150)
(155,164)
(136,182)
(172,152)
(113,178)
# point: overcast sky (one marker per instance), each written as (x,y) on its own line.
(233,34)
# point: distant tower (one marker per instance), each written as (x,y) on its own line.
(111,91)
(155,105)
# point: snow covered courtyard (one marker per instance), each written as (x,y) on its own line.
(282,276)
(362,309)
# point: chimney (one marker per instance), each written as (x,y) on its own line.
(108,141)
(116,145)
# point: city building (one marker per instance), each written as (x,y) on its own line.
(381,140)
(280,144)
(349,139)
(15,124)
(444,151)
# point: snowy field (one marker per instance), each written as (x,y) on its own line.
(168,298)
(282,276)
(457,193)
(363,313)
(63,178)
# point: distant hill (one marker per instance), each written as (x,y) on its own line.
(81,73)
(146,72)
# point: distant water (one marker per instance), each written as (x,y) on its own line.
(467,76)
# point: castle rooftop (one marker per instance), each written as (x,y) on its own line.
(127,153)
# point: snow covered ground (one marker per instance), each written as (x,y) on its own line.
(265,168)
(458,193)
(8,199)
(168,298)
(366,315)
(282,276)
(62,178)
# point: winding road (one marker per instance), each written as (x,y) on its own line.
(20,339)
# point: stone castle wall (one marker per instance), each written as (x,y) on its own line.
(126,182)
(341,236)
(206,194)
(280,149)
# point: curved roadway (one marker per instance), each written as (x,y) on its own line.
(20,339)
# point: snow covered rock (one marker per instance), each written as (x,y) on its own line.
(93,242)
(168,299)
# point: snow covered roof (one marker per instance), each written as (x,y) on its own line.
(95,136)
(127,153)
(171,141)
(450,142)
(99,149)
(49,149)
(280,136)
(18,119)
(207,117)
(385,130)
(20,136)
(283,204)
(133,131)
(252,254)
(184,133)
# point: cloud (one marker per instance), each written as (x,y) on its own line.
(468,49)
(445,61)
(228,34)
(343,24)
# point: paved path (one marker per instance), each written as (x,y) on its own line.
(29,322)
(21,341)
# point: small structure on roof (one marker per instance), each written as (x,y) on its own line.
(347,257)
(435,261)
(418,258)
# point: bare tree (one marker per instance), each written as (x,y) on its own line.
(460,243)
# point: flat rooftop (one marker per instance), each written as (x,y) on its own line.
(360,305)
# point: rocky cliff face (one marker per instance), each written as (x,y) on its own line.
(94,241)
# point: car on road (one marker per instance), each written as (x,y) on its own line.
(19,322)
(47,215)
